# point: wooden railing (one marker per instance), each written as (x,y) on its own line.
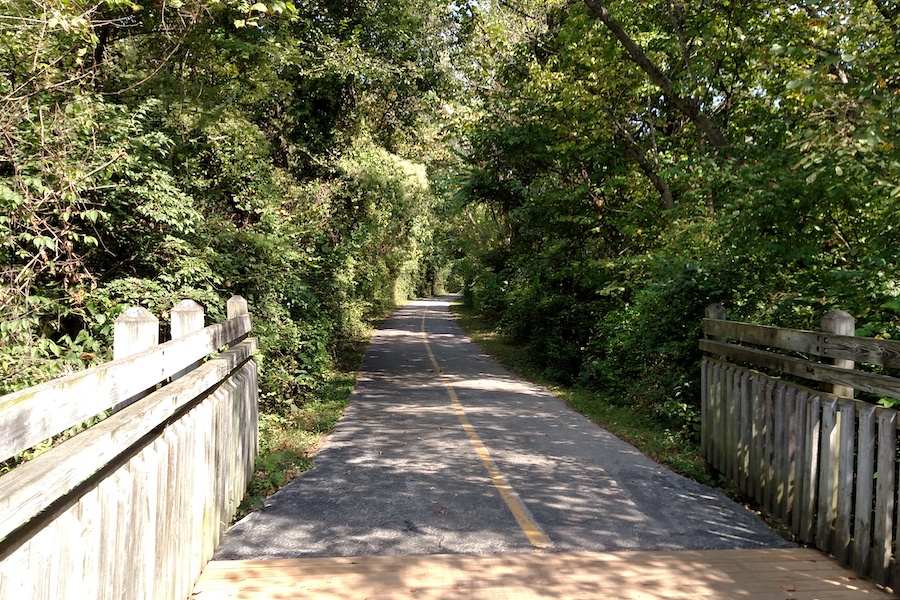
(134,505)
(807,451)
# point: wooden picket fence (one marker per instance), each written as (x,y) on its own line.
(134,505)
(822,462)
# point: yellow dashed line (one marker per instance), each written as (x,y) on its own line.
(537,537)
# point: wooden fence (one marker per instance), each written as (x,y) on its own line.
(808,452)
(134,505)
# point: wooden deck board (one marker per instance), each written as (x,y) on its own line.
(781,574)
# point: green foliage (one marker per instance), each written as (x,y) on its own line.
(200,149)
(570,148)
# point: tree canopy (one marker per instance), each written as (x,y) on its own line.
(591,174)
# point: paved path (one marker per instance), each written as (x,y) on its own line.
(472,459)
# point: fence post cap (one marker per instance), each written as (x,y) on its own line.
(839,314)
(136,314)
(187,317)
(716,311)
(187,305)
(136,330)
(840,322)
(237,306)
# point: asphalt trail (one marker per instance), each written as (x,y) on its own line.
(471,459)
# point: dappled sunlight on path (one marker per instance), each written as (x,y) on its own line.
(782,574)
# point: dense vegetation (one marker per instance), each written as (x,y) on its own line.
(591,174)
(642,160)
(159,151)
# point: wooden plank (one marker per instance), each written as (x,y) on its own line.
(32,487)
(758,445)
(811,459)
(717,438)
(172,539)
(12,571)
(560,560)
(704,411)
(728,424)
(846,470)
(865,473)
(746,432)
(193,561)
(160,584)
(223,475)
(109,533)
(144,467)
(193,506)
(90,515)
(131,557)
(788,452)
(176,435)
(794,574)
(42,567)
(799,453)
(769,491)
(884,495)
(869,382)
(779,448)
(30,416)
(866,350)
(251,402)
(827,477)
(210,521)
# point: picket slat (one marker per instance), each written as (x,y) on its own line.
(746,431)
(778,455)
(865,473)
(769,490)
(758,439)
(846,445)
(884,494)
(799,454)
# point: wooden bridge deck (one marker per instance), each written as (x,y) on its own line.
(782,574)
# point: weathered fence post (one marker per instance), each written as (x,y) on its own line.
(717,311)
(710,403)
(840,322)
(187,317)
(236,307)
(135,331)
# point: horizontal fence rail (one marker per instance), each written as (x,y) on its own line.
(134,505)
(809,453)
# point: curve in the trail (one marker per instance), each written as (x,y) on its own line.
(443,451)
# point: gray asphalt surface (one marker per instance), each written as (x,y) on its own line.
(400,475)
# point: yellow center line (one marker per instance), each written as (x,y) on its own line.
(531,529)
